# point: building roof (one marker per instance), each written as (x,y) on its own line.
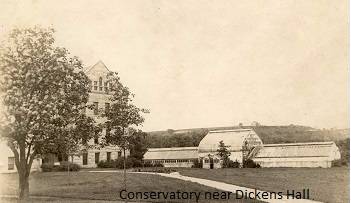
(171,153)
(296,150)
(99,64)
(234,139)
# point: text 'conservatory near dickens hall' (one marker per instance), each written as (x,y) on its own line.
(245,144)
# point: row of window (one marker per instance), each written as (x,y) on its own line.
(97,157)
(171,161)
(214,161)
(99,87)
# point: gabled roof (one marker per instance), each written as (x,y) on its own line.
(298,150)
(171,153)
(234,139)
(99,64)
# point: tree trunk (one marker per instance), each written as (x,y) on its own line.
(23,185)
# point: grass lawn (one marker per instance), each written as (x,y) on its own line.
(100,186)
(327,185)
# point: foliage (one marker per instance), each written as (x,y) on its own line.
(149,164)
(233,164)
(155,170)
(249,163)
(131,162)
(65,165)
(121,116)
(197,164)
(224,154)
(44,92)
(169,138)
(122,113)
(47,167)
(344,147)
(137,145)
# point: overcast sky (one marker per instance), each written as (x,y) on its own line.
(200,63)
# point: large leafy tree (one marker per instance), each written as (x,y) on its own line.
(44,91)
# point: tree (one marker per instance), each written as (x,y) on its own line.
(223,153)
(138,146)
(122,114)
(44,91)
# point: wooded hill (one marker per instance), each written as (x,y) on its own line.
(268,134)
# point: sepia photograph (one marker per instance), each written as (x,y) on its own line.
(160,101)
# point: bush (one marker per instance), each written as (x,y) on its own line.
(155,170)
(249,163)
(65,165)
(46,167)
(340,162)
(197,164)
(233,164)
(119,163)
(149,164)
(106,164)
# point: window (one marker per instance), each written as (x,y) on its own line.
(96,108)
(108,156)
(11,163)
(97,157)
(85,158)
(119,154)
(107,108)
(100,81)
(100,88)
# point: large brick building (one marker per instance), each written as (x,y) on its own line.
(99,97)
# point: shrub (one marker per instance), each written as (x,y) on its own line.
(158,165)
(197,164)
(106,164)
(119,163)
(155,170)
(149,164)
(233,164)
(340,162)
(249,163)
(47,167)
(65,165)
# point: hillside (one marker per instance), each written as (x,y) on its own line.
(268,134)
